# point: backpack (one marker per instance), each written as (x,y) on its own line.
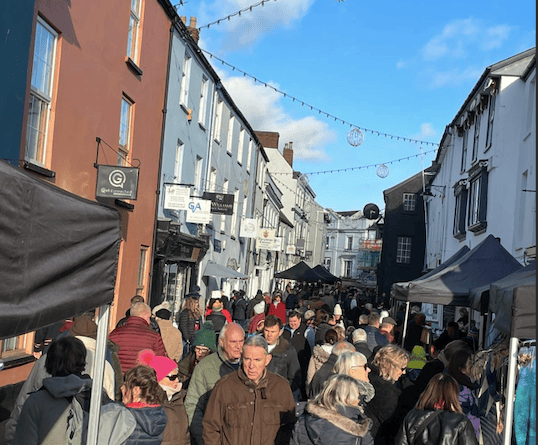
(76,431)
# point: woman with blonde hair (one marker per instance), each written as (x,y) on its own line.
(355,364)
(437,417)
(333,416)
(388,365)
(189,321)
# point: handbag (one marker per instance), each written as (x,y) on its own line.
(422,427)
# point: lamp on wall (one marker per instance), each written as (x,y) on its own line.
(428,192)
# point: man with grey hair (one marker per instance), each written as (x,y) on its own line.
(243,404)
(359,338)
(207,373)
(375,338)
(323,373)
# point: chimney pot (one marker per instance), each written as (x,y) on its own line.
(193,22)
(183,19)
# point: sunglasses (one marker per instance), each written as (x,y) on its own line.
(173,377)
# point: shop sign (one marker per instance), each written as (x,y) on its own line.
(198,211)
(118,182)
(291,249)
(176,197)
(249,228)
(266,239)
(221,203)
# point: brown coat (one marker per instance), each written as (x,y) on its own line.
(172,339)
(177,427)
(239,412)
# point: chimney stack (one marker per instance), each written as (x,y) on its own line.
(288,153)
(195,32)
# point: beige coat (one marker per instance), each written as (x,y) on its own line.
(172,339)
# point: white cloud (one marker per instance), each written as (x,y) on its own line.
(400,65)
(252,24)
(454,77)
(426,132)
(460,37)
(262,108)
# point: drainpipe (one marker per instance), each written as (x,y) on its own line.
(161,150)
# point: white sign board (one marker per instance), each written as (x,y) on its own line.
(277,245)
(266,239)
(290,249)
(249,228)
(176,197)
(199,211)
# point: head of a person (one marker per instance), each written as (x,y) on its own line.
(420,319)
(205,341)
(267,298)
(391,361)
(192,305)
(310,317)
(460,362)
(277,297)
(363,319)
(353,364)
(387,324)
(294,319)
(373,319)
(255,357)
(453,330)
(331,337)
(339,390)
(442,393)
(322,316)
(216,304)
(231,339)
(141,310)
(368,306)
(165,368)
(272,329)
(337,313)
(66,355)
(340,332)
(163,314)
(359,336)
(341,347)
(137,299)
(140,384)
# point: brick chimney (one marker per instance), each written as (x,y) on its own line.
(195,32)
(288,153)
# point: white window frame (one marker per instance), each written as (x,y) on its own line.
(142,268)
(218,118)
(240,146)
(491,118)
(178,161)
(474,202)
(229,142)
(134,31)
(249,154)
(41,88)
(403,250)
(233,229)
(349,243)
(464,144)
(476,138)
(185,81)
(213,180)
(198,175)
(222,226)
(409,202)
(203,101)
(348,268)
(126,128)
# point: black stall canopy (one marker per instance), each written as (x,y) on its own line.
(300,272)
(484,264)
(327,276)
(58,254)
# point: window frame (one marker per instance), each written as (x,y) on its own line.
(198,165)
(404,245)
(141,279)
(476,137)
(464,144)
(409,198)
(229,140)
(202,109)
(218,118)
(349,243)
(460,210)
(491,118)
(124,151)
(185,81)
(133,44)
(348,274)
(477,198)
(178,160)
(44,99)
(241,146)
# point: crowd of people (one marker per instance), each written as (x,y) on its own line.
(302,366)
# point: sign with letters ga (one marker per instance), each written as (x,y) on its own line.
(198,211)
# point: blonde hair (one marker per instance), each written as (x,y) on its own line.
(339,389)
(390,358)
(340,331)
(193,306)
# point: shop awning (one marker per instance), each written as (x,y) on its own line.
(327,276)
(484,264)
(218,271)
(300,272)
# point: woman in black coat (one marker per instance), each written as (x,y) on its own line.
(189,320)
(437,417)
(385,409)
(333,417)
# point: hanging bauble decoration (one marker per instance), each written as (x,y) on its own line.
(355,137)
(382,171)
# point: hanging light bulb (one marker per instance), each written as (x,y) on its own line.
(355,137)
(382,171)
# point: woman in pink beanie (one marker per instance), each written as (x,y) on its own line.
(177,427)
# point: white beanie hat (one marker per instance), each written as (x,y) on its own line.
(383,314)
(337,310)
(259,308)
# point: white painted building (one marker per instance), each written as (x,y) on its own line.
(486,167)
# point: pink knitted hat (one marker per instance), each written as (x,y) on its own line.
(162,365)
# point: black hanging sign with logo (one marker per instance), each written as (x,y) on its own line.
(118,182)
(221,203)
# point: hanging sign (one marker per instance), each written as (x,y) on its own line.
(249,228)
(277,245)
(198,211)
(265,239)
(221,203)
(118,182)
(290,249)
(176,197)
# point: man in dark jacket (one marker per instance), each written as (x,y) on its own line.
(323,373)
(284,359)
(239,307)
(295,333)
(253,302)
(451,333)
(414,331)
(359,338)
(375,338)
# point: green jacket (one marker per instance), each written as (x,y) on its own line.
(205,375)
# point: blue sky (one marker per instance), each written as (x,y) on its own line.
(396,68)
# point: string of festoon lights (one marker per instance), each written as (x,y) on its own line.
(238,13)
(355,136)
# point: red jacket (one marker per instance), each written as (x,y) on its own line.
(279,311)
(133,337)
(224,312)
